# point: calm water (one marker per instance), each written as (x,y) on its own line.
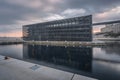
(98,62)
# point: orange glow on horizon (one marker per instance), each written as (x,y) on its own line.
(12,34)
(96,30)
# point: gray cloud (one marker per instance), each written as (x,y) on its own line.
(9,28)
(92,5)
(10,11)
(20,12)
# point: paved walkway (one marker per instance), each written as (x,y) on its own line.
(13,69)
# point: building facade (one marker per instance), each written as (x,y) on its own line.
(72,29)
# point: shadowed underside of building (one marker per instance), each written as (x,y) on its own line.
(72,29)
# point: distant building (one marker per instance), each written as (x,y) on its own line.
(109,31)
(72,29)
(115,28)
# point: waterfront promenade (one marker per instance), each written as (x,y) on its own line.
(63,43)
(13,69)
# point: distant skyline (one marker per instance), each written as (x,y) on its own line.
(15,13)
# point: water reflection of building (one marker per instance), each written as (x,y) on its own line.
(79,58)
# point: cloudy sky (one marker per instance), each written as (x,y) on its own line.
(15,13)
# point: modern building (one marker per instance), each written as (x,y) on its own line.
(72,29)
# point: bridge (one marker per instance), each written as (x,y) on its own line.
(103,23)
